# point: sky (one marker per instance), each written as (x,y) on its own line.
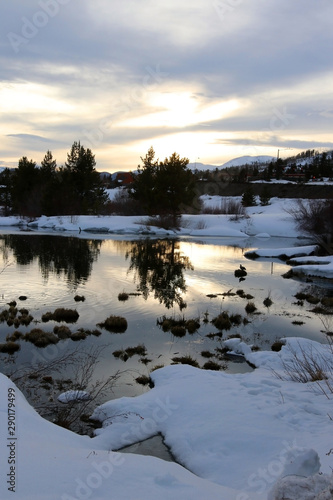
(208,79)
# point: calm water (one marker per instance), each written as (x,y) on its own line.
(171,277)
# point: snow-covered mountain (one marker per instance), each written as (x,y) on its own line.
(235,162)
(243,160)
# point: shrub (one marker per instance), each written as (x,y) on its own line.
(315,218)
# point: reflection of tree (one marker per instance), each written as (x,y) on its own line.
(159,267)
(70,256)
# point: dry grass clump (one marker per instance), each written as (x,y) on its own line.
(178,331)
(124,354)
(186,360)
(62,331)
(144,380)
(9,347)
(114,324)
(61,314)
(180,326)
(123,296)
(250,308)
(327,301)
(14,336)
(211,365)
(277,346)
(40,338)
(192,325)
(207,354)
(79,298)
(79,335)
(222,321)
(267,302)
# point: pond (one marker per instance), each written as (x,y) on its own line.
(171,278)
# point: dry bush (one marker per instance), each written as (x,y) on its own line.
(315,218)
(308,364)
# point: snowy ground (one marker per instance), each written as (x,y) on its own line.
(235,436)
(250,436)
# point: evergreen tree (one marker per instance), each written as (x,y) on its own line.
(164,188)
(26,197)
(87,192)
(49,185)
(175,185)
(265,196)
(248,198)
(143,188)
(6,177)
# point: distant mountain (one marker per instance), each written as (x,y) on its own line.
(235,162)
(243,160)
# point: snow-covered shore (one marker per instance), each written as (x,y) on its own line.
(271,220)
(261,222)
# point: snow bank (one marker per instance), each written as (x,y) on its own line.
(281,252)
(242,431)
(51,463)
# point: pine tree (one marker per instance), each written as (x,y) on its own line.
(26,196)
(164,188)
(87,192)
(265,196)
(248,198)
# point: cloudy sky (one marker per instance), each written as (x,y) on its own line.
(210,80)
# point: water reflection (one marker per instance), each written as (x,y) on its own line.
(70,256)
(159,267)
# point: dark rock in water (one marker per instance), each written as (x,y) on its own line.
(23,297)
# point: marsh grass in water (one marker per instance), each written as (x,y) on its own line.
(114,324)
(61,314)
(40,338)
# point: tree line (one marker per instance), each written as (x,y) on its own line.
(75,188)
(160,188)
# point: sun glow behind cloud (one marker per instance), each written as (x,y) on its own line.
(181,109)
